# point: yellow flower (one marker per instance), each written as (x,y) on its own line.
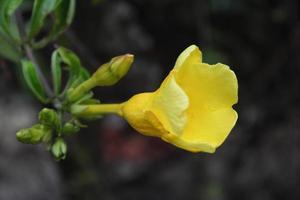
(192,109)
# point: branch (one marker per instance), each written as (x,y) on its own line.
(30,55)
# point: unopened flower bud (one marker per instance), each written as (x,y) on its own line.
(49,118)
(111,72)
(106,75)
(70,128)
(34,135)
(59,149)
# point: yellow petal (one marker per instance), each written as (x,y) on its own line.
(210,127)
(169,105)
(189,56)
(212,86)
(212,90)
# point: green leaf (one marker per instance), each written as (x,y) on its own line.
(70,59)
(64,15)
(56,72)
(78,73)
(33,81)
(84,73)
(81,77)
(41,9)
(7,50)
(7,9)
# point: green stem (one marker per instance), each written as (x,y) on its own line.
(81,89)
(94,110)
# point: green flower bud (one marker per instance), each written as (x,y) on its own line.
(59,149)
(49,118)
(111,72)
(34,135)
(70,128)
(106,75)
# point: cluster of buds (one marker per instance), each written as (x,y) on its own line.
(50,131)
(55,124)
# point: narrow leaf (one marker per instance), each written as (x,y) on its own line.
(78,73)
(33,81)
(56,72)
(7,9)
(80,78)
(64,15)
(41,9)
(70,59)
(7,50)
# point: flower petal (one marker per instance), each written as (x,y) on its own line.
(210,87)
(169,105)
(212,90)
(189,145)
(189,56)
(210,127)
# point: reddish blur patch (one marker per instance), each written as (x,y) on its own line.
(118,145)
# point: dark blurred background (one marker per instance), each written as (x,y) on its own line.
(259,39)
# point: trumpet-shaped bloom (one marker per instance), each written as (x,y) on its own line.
(192,108)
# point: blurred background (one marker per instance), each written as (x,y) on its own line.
(259,39)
